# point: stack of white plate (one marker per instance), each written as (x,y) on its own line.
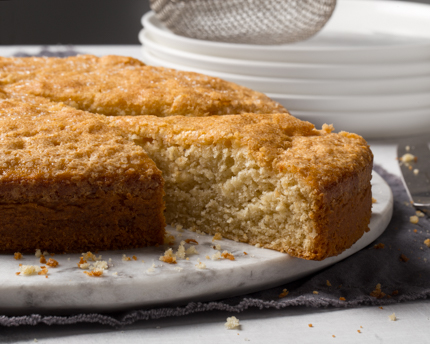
(367,71)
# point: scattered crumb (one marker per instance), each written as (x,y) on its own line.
(403,258)
(333,336)
(378,293)
(310,325)
(216,256)
(207,257)
(374,200)
(180,253)
(414,219)
(358,331)
(187,258)
(217,236)
(89,256)
(95,273)
(17,255)
(151,269)
(419,213)
(342,298)
(44,271)
(115,273)
(392,317)
(200,265)
(134,258)
(38,253)
(28,270)
(68,259)
(408,158)
(245,253)
(283,294)
(191,250)
(100,265)
(179,228)
(395,292)
(379,246)
(232,323)
(188,241)
(328,283)
(227,255)
(416,171)
(168,257)
(125,258)
(407,148)
(361,326)
(35,340)
(169,239)
(315,292)
(217,247)
(177,268)
(52,263)
(427,242)
(257,245)
(200,232)
(83,263)
(45,253)
(415,230)
(380,307)
(17,273)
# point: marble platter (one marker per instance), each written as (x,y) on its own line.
(149,282)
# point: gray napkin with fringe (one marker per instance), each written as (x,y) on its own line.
(395,268)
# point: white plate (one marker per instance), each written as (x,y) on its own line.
(372,124)
(305,86)
(359,31)
(68,289)
(279,69)
(381,103)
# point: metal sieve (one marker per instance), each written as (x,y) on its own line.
(245,21)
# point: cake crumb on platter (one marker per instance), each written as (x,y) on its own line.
(216,256)
(191,250)
(403,258)
(379,246)
(227,255)
(427,242)
(328,283)
(310,325)
(38,253)
(168,257)
(419,213)
(189,241)
(51,262)
(392,317)
(374,200)
(200,265)
(342,298)
(28,270)
(17,255)
(125,258)
(217,236)
(90,256)
(232,323)
(315,292)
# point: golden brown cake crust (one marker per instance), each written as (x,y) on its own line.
(69,182)
(114,85)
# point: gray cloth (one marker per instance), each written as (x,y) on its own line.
(354,278)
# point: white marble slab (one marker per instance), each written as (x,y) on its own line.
(68,289)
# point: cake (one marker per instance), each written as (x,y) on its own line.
(69,182)
(268,180)
(233,161)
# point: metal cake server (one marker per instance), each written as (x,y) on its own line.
(414,162)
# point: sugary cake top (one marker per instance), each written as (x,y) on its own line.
(278,141)
(114,85)
(44,141)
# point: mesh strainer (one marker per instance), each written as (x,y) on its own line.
(245,21)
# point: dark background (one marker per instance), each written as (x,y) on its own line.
(73,21)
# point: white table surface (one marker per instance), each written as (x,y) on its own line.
(289,325)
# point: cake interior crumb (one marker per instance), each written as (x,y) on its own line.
(232,323)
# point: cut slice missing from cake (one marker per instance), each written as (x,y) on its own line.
(268,180)
(69,182)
